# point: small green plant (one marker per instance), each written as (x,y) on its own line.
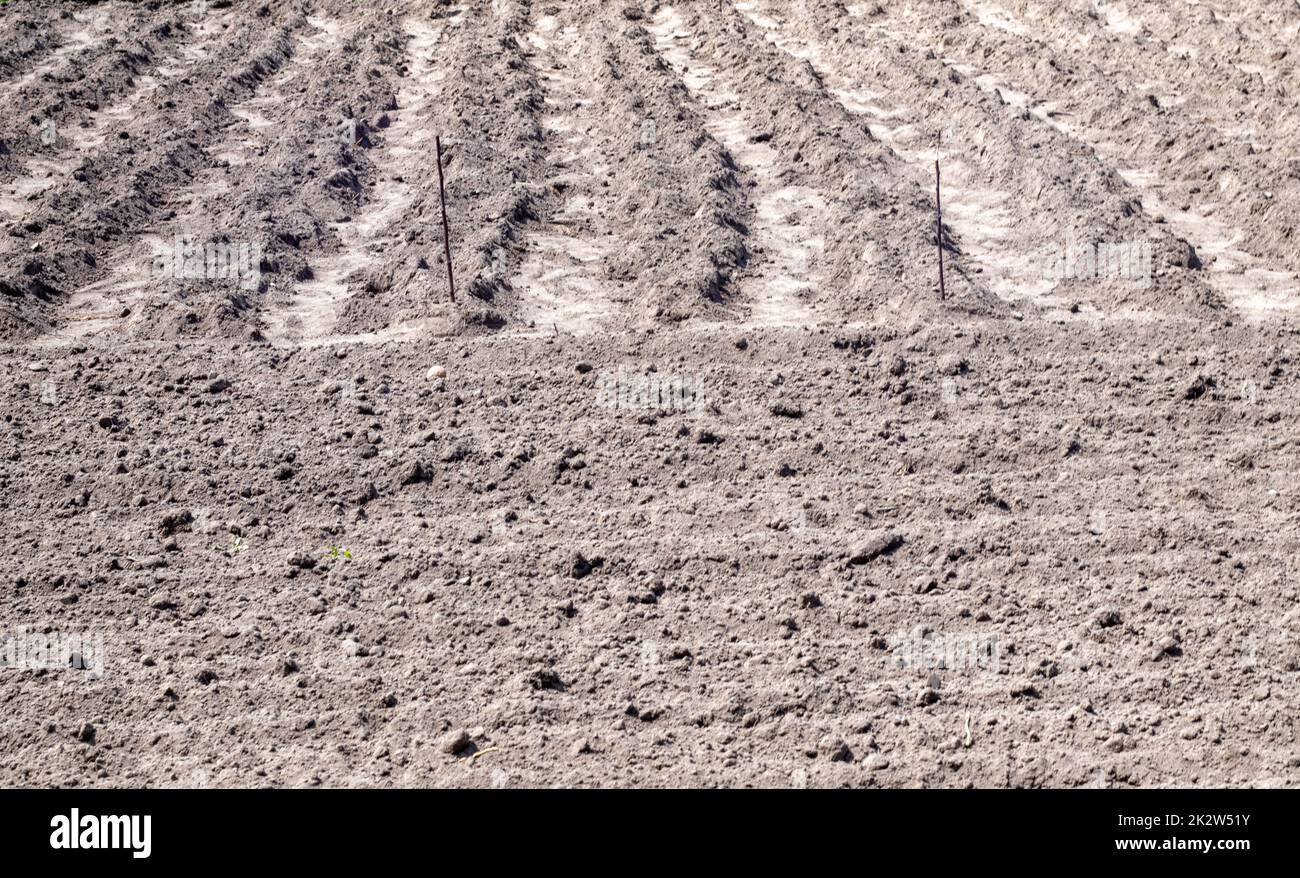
(337,553)
(231,549)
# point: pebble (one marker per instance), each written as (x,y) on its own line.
(162,601)
(435,372)
(1108,618)
(454,741)
(875,762)
(873,545)
(833,748)
(786,408)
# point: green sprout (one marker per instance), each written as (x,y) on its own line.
(336,553)
(235,546)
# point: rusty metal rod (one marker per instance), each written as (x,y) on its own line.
(446,235)
(938,229)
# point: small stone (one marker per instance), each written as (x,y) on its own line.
(413,473)
(786,408)
(436,372)
(86,733)
(924,584)
(875,544)
(875,762)
(954,364)
(1168,646)
(1024,690)
(1107,618)
(580,566)
(1198,388)
(454,741)
(832,747)
(162,601)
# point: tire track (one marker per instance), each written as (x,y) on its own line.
(994,170)
(675,199)
(1253,284)
(487,111)
(114,297)
(71,145)
(26,41)
(975,212)
(878,223)
(89,29)
(311,317)
(783,230)
(560,280)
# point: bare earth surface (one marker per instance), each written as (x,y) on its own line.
(333,528)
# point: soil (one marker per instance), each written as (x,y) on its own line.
(699,479)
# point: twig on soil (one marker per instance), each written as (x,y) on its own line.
(938,214)
(446,237)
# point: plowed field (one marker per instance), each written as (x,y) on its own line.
(700,479)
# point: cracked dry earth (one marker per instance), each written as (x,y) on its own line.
(698,481)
